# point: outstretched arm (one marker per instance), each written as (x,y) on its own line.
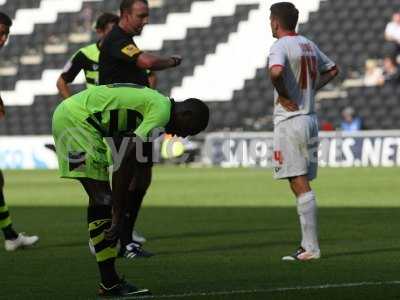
(155,63)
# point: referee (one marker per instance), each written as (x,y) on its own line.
(121,61)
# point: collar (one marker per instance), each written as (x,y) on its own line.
(124,32)
(290,33)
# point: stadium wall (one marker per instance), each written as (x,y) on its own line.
(336,149)
(236,149)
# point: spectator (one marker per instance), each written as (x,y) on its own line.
(392,36)
(373,73)
(350,122)
(391,72)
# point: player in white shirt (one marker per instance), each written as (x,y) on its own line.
(297,69)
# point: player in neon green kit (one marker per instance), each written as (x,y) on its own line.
(79,125)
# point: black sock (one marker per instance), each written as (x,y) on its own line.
(135,200)
(108,274)
(99,219)
(9,233)
(5,220)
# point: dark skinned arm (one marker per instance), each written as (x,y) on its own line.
(122,179)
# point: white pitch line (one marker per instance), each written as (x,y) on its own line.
(271,290)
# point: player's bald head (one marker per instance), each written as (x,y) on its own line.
(189,117)
(200,114)
(286,14)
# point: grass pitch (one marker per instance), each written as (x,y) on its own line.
(217,233)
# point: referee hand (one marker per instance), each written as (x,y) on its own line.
(177,60)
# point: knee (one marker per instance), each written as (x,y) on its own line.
(101,199)
(300,185)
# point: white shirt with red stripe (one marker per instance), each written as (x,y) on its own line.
(303,63)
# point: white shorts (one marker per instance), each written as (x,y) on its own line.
(296,147)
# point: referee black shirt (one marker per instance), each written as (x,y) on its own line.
(117,63)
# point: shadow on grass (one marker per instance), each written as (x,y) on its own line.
(210,233)
(185,230)
(232,247)
(362,252)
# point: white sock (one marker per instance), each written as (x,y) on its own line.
(307,210)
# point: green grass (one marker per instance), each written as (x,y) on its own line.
(213,230)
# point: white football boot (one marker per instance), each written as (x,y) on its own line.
(22,241)
(302,255)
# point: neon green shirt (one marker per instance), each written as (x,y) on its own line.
(117,109)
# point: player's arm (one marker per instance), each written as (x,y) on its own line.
(326,77)
(276,68)
(327,69)
(121,181)
(128,168)
(127,51)
(156,63)
(2,109)
(63,88)
(276,75)
(71,70)
(152,79)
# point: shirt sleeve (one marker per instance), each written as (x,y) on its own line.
(277,55)
(388,30)
(324,62)
(125,50)
(156,117)
(73,67)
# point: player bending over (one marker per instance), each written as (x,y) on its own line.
(79,125)
(297,69)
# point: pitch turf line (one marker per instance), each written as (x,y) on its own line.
(271,290)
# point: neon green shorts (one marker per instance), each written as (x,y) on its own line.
(81,150)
